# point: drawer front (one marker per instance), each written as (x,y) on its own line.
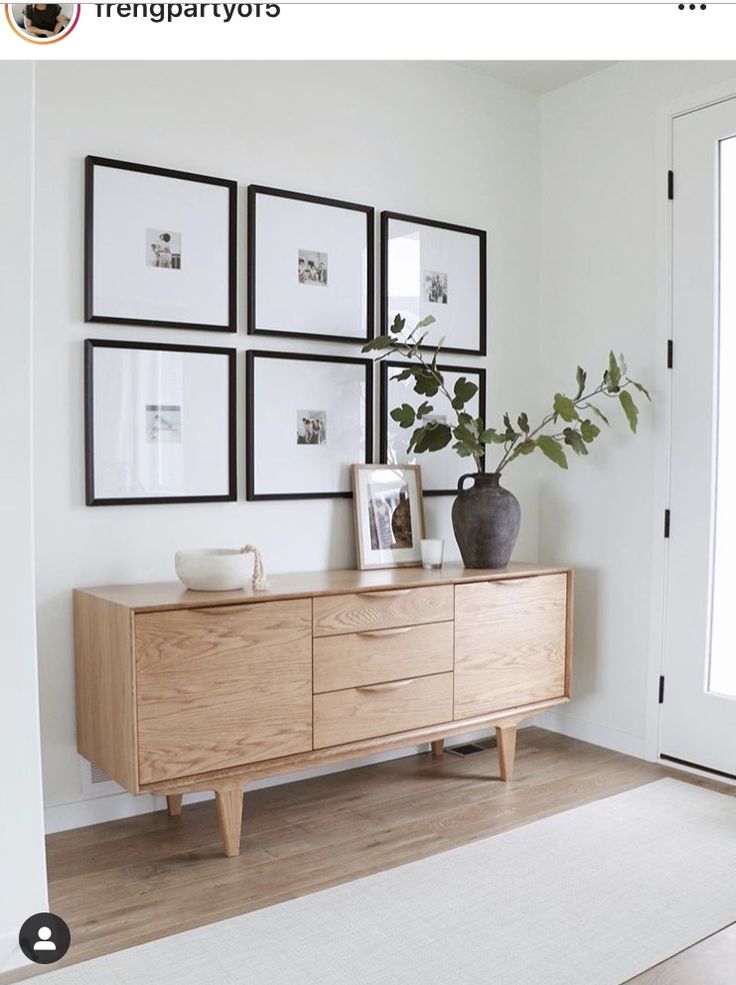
(222,687)
(381,709)
(339,614)
(510,643)
(378,655)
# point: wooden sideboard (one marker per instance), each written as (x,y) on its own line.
(181,691)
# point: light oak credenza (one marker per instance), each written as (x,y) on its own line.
(181,691)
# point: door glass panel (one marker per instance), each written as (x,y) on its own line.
(723,629)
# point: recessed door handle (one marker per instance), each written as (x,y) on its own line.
(391,686)
(391,594)
(373,633)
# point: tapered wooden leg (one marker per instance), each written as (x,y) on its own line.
(438,747)
(230,817)
(173,803)
(506,742)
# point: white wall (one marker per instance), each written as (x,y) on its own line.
(602,179)
(22,854)
(434,140)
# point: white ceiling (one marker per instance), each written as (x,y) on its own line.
(539,77)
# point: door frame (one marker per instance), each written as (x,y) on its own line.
(664,245)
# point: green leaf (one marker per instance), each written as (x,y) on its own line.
(564,407)
(574,440)
(424,409)
(614,374)
(398,325)
(581,376)
(523,423)
(598,412)
(641,389)
(589,431)
(426,382)
(526,447)
(429,320)
(403,375)
(464,391)
(404,415)
(432,437)
(381,342)
(552,449)
(630,409)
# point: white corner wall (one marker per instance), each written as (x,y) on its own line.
(602,178)
(425,139)
(22,851)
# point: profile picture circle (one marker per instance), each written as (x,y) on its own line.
(42,23)
(44,938)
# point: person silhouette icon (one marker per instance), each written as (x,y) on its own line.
(44,938)
(44,943)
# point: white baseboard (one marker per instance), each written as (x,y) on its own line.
(97,810)
(597,735)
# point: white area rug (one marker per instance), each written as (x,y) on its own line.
(593,896)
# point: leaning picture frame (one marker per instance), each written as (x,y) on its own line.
(309,418)
(160,247)
(435,268)
(389,515)
(160,423)
(310,266)
(441,470)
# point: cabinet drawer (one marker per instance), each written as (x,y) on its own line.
(381,709)
(338,614)
(510,643)
(382,655)
(222,687)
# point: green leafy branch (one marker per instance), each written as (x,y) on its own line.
(569,425)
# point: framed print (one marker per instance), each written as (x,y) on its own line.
(310,266)
(160,247)
(159,423)
(441,470)
(309,419)
(389,515)
(439,269)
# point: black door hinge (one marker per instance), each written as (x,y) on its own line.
(670,353)
(666,523)
(661,690)
(670,185)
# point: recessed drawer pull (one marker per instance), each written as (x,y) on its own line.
(391,686)
(373,633)
(508,583)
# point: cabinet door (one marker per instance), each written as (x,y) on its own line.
(510,643)
(222,687)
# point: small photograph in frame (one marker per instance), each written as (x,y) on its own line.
(309,418)
(441,470)
(310,266)
(439,269)
(389,515)
(159,423)
(160,247)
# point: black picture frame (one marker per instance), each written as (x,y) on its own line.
(386,218)
(387,367)
(91,498)
(253,329)
(252,495)
(90,316)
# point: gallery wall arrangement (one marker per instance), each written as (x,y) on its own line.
(160,419)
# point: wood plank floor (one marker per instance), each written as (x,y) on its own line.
(127,882)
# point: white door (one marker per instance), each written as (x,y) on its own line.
(698,724)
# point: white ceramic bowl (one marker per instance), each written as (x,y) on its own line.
(217,570)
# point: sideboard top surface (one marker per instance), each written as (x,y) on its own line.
(172,595)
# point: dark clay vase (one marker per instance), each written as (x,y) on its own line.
(486,520)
